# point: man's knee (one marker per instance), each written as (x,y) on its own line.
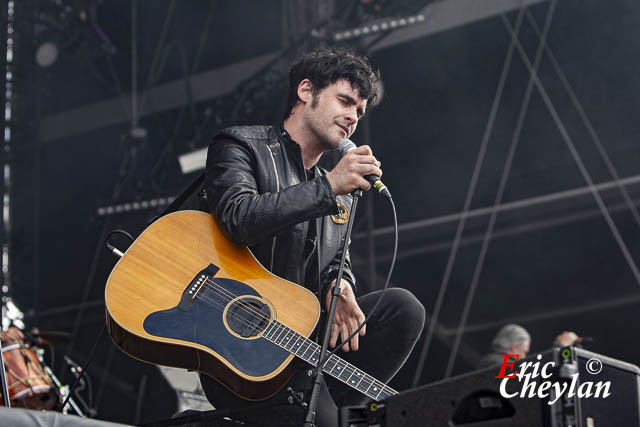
(410,310)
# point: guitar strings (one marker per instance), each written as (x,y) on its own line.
(221,306)
(230,295)
(226,297)
(213,286)
(343,364)
(216,288)
(246,307)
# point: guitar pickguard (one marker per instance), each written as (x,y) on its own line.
(203,323)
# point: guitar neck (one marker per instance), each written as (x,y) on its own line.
(309,351)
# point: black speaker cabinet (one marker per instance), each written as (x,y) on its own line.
(469,399)
(474,399)
(622,407)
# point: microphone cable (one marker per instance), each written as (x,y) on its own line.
(384,289)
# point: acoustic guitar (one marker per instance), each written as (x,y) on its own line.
(185,296)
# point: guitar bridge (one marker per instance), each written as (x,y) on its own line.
(194,287)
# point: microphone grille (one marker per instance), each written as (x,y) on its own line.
(346,145)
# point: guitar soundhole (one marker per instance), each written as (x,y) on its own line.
(247,316)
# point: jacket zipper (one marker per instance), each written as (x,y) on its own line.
(275,170)
(317,240)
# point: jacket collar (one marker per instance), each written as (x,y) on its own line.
(290,144)
(285,137)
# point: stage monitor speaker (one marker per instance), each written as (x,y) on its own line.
(471,399)
(474,399)
(622,407)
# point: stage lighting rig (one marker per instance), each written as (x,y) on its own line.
(371,28)
(134,206)
(374,18)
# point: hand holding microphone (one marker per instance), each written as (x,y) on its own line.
(358,168)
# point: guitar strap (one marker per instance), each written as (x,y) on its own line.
(182,197)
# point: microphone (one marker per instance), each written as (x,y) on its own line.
(347,145)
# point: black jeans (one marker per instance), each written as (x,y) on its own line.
(391,335)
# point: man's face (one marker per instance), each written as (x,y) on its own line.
(521,348)
(334,113)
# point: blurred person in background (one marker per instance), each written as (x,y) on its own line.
(511,339)
(514,340)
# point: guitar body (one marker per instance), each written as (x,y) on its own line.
(186,297)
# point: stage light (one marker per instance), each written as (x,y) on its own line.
(138,132)
(378,26)
(133,206)
(47,54)
(193,161)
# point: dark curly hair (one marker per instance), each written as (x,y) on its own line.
(327,65)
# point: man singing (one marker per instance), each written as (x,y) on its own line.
(266,192)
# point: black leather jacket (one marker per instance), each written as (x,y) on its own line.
(259,194)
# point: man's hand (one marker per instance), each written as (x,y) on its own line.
(566,338)
(350,170)
(347,318)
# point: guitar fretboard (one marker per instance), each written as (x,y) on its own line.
(309,351)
